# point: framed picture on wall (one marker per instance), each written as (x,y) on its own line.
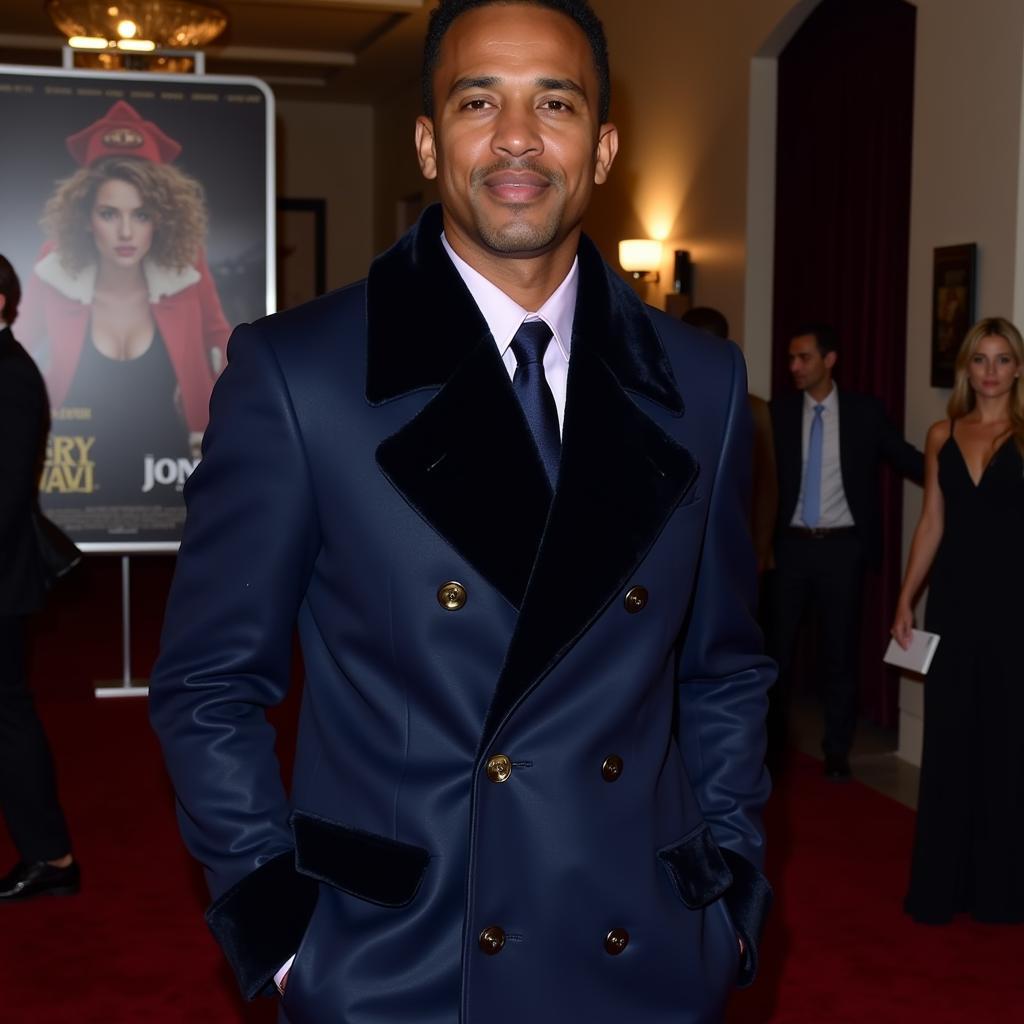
(301,250)
(953,295)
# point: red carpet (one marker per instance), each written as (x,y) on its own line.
(132,947)
(838,948)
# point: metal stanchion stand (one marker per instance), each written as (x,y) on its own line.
(128,687)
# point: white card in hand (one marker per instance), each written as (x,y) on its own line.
(918,656)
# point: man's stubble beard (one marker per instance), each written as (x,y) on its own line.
(519,236)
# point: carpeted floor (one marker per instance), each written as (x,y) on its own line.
(132,947)
(838,948)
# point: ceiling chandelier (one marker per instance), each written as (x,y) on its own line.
(137,25)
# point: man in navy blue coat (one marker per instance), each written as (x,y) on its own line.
(506,505)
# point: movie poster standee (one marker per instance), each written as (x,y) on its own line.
(138,211)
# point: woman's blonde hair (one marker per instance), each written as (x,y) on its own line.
(172,198)
(963,399)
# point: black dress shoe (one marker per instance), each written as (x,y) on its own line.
(837,768)
(39,879)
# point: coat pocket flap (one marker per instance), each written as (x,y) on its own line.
(373,867)
(697,868)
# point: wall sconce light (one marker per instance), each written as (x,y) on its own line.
(640,257)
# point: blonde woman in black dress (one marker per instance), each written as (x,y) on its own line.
(969,844)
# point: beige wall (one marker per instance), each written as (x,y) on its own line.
(325,151)
(681,80)
(397,177)
(967,140)
(966,179)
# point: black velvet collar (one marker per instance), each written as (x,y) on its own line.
(467,463)
(423,322)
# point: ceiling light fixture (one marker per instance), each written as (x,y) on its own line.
(144,24)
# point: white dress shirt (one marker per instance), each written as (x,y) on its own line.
(504,316)
(835,512)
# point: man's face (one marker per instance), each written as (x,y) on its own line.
(808,367)
(514,142)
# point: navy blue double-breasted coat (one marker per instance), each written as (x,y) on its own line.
(366,450)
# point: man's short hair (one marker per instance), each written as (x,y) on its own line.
(10,289)
(706,318)
(825,336)
(447,11)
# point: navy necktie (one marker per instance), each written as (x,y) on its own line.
(531,388)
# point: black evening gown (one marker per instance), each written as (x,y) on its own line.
(969,846)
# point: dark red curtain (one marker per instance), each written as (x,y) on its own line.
(846,92)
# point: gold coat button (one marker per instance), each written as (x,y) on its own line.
(612,768)
(492,940)
(499,768)
(636,600)
(451,595)
(616,941)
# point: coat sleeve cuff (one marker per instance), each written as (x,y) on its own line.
(748,899)
(260,921)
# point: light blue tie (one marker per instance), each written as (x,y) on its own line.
(812,475)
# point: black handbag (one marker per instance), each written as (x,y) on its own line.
(58,554)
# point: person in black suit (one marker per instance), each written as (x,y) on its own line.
(827,447)
(28,791)
(764,496)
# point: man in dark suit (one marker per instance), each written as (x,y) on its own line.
(764,497)
(505,503)
(28,791)
(828,443)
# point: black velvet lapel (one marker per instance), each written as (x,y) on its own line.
(422,321)
(469,467)
(620,478)
(466,462)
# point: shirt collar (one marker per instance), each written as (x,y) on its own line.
(504,315)
(829,401)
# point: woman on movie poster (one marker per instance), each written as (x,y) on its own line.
(123,316)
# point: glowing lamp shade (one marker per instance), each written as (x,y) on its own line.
(640,257)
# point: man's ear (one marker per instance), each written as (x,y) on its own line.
(830,359)
(3,302)
(607,147)
(426,150)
